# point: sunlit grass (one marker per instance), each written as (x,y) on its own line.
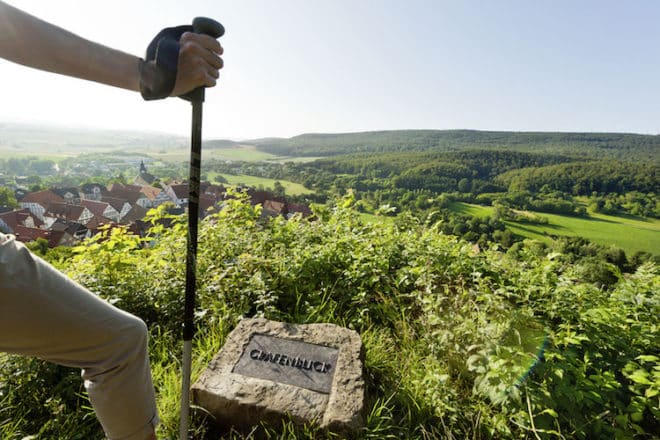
(469,209)
(632,234)
(290,188)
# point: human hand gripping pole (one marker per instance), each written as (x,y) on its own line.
(201,25)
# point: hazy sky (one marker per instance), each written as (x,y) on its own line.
(298,66)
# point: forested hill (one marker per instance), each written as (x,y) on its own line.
(611,145)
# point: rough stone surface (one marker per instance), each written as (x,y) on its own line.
(244,400)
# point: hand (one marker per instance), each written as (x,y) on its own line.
(199,62)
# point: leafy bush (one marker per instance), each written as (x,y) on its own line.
(460,342)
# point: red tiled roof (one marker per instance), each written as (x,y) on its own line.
(150,191)
(26,235)
(209,188)
(65,210)
(121,187)
(206,201)
(137,212)
(115,187)
(56,238)
(13,218)
(43,198)
(116,203)
(132,188)
(129,196)
(95,222)
(180,190)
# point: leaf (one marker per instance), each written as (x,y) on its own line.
(637,416)
(551,412)
(641,377)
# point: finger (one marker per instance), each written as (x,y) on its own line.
(214,73)
(210,81)
(193,49)
(205,41)
(218,63)
(211,58)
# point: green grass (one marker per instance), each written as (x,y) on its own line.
(473,210)
(290,188)
(283,159)
(632,234)
(246,153)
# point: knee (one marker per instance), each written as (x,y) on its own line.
(126,348)
(129,340)
(17,264)
(134,333)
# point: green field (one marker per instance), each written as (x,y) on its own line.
(632,234)
(290,188)
(245,153)
(469,209)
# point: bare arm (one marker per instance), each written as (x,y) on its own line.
(27,40)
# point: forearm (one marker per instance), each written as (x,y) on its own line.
(27,40)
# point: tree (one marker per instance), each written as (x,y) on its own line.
(219,178)
(464,185)
(7,198)
(39,246)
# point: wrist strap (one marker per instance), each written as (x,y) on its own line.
(159,68)
(155,82)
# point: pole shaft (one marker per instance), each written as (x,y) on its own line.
(201,25)
(191,256)
(185,390)
(193,219)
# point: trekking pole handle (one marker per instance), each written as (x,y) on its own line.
(208,26)
(212,28)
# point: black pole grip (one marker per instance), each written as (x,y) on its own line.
(212,28)
(208,26)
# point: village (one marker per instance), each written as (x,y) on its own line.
(63,216)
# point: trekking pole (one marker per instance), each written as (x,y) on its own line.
(201,25)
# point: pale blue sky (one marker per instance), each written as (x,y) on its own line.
(297,66)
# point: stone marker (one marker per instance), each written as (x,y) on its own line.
(269,370)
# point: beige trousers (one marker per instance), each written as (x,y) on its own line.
(45,314)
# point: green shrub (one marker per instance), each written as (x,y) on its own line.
(459,342)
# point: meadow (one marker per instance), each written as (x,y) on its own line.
(246,153)
(632,234)
(290,188)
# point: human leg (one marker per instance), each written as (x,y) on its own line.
(45,314)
